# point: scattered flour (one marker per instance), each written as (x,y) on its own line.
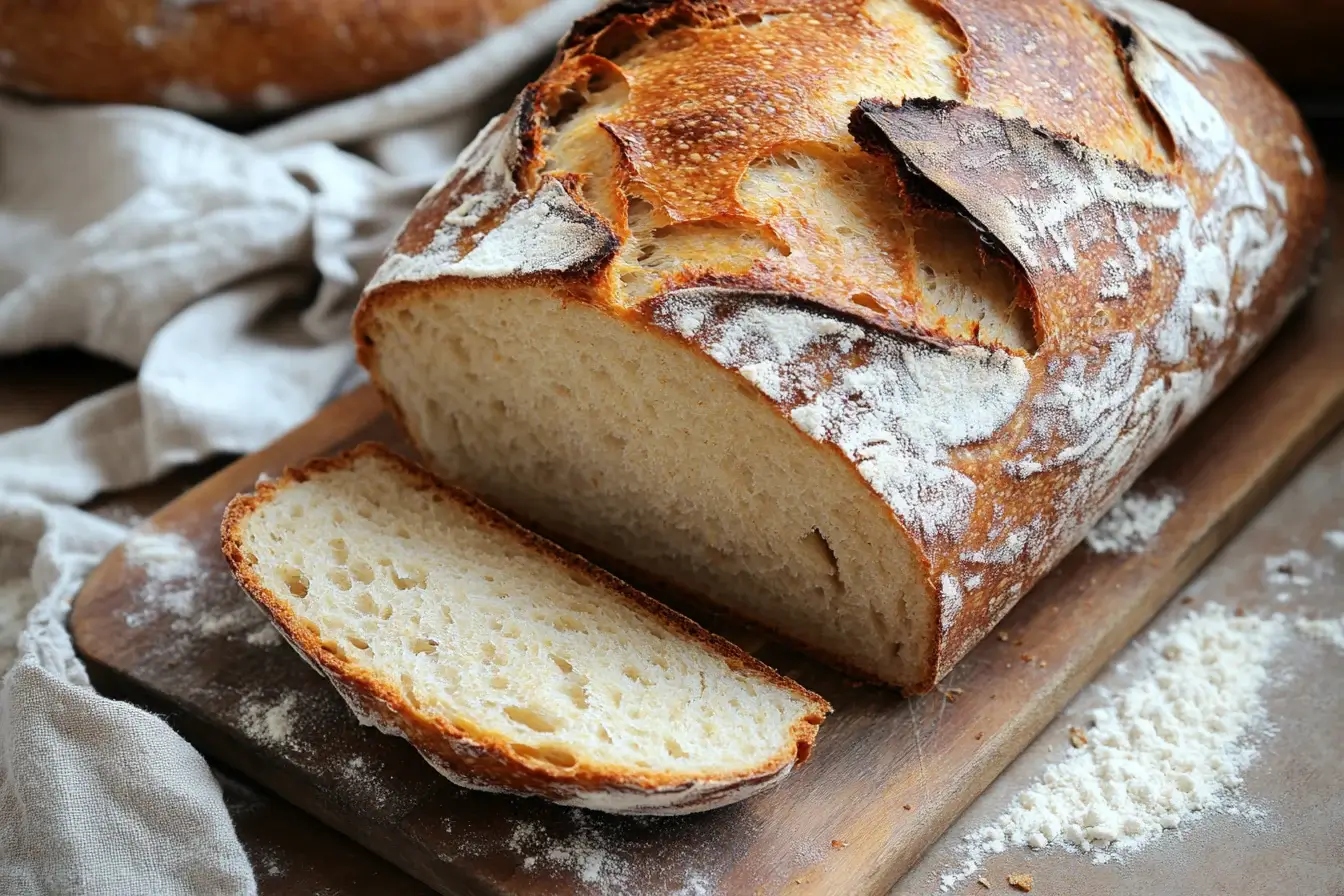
(271,724)
(358,773)
(172,573)
(175,582)
(1165,749)
(164,556)
(228,623)
(1290,568)
(584,854)
(1331,630)
(595,861)
(265,637)
(1335,538)
(1132,522)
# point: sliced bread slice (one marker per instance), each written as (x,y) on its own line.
(509,664)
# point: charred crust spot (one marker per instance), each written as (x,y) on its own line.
(592,25)
(531,132)
(619,27)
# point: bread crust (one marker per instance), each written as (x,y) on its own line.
(221,57)
(1157,200)
(478,759)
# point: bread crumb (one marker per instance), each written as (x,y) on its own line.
(1187,600)
(906,807)
(1020,882)
(982,882)
(951,694)
(1077,737)
(838,844)
(1002,636)
(1042,664)
(1027,658)
(979,734)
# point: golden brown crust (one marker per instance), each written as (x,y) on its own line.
(480,759)
(232,56)
(1156,198)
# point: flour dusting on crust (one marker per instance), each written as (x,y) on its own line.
(1176,31)
(545,231)
(895,413)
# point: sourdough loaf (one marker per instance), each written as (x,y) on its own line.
(509,664)
(847,316)
(216,57)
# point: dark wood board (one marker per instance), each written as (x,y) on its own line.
(877,755)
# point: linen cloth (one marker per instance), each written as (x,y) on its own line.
(223,268)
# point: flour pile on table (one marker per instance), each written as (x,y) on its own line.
(1168,748)
(1170,745)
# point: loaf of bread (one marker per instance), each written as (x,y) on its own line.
(222,57)
(509,664)
(848,316)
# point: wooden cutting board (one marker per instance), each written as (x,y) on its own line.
(889,774)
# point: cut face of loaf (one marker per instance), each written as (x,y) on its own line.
(509,664)
(617,438)
(855,332)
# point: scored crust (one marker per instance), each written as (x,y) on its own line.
(1149,200)
(232,56)
(479,759)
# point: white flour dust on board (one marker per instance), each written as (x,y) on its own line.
(1295,572)
(164,556)
(175,582)
(595,860)
(171,570)
(1328,630)
(270,723)
(1167,748)
(1132,522)
(265,636)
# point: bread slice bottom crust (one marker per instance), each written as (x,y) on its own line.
(469,753)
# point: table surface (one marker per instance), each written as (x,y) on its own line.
(1294,779)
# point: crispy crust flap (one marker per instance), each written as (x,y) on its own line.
(479,759)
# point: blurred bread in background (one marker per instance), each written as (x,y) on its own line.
(219,58)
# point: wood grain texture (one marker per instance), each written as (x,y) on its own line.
(877,755)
